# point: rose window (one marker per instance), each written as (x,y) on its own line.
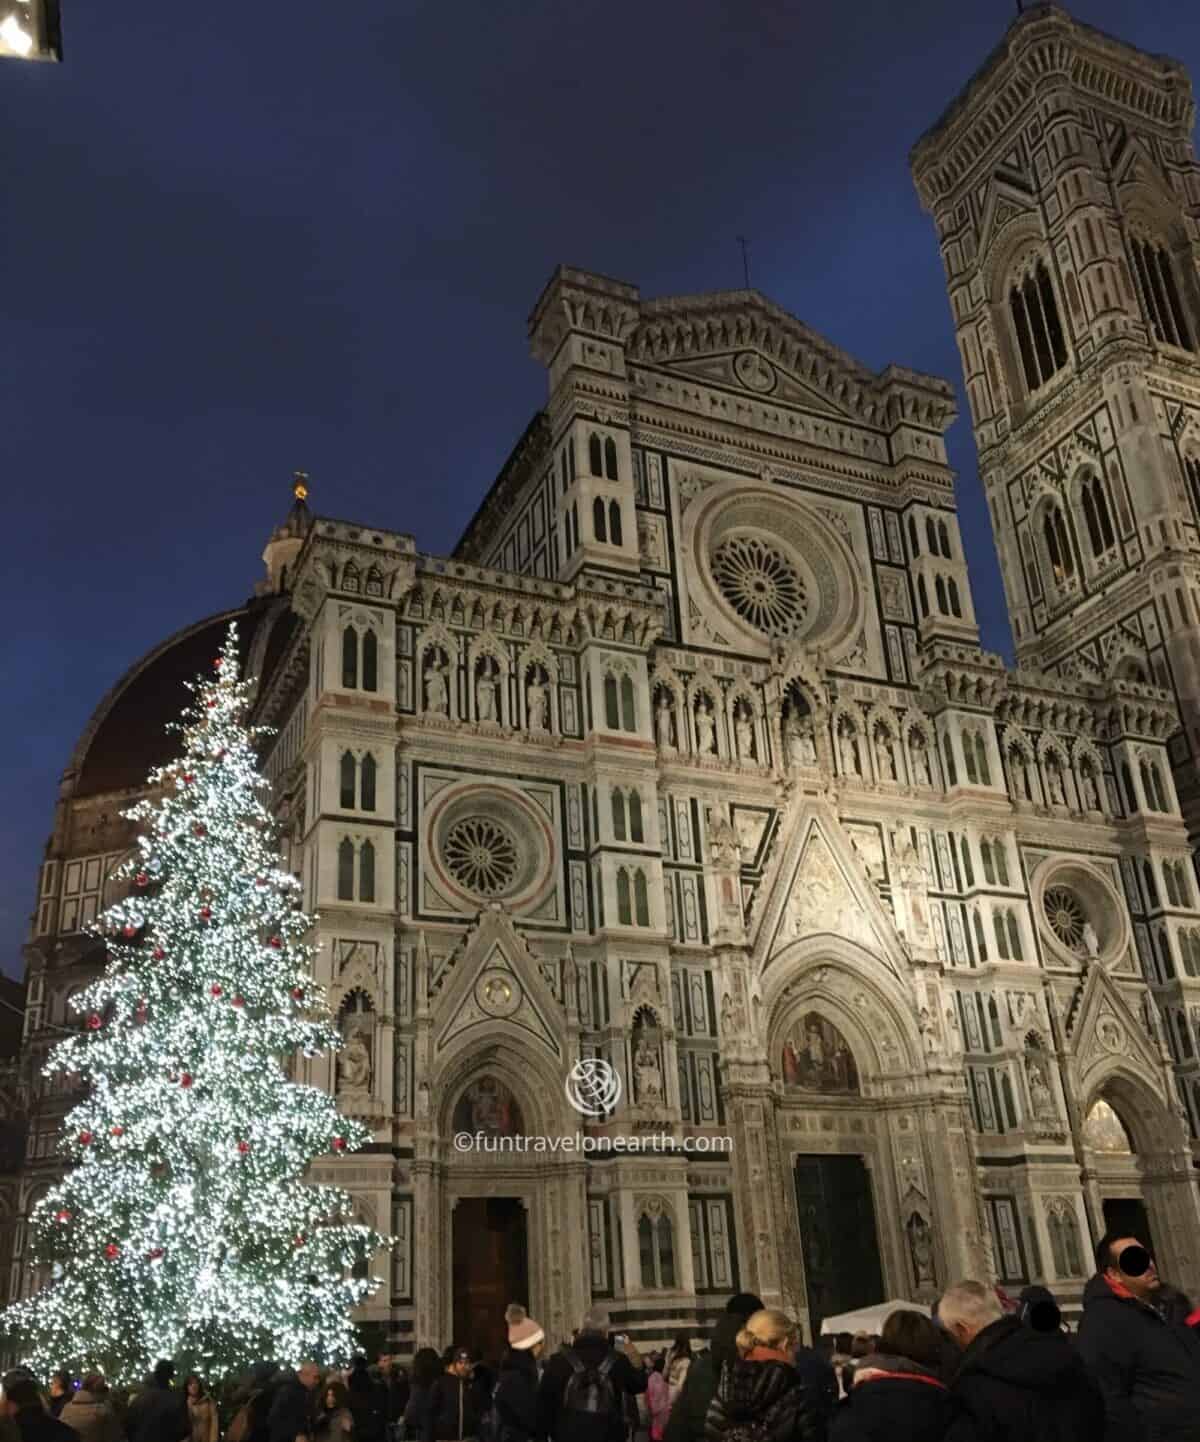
(760,583)
(1065,915)
(481,855)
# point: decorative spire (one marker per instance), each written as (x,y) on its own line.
(300,485)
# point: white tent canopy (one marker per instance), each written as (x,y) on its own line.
(868,1319)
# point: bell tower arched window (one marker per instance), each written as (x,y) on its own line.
(1164,306)
(594,455)
(1094,500)
(614,523)
(1039,332)
(610,458)
(599,525)
(1058,544)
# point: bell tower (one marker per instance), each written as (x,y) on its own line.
(1066,195)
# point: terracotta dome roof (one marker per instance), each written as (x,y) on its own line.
(127,736)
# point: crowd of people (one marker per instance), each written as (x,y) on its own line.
(977,1370)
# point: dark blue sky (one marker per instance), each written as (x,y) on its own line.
(242,239)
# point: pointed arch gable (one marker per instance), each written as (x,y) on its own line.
(535,1084)
(1109,1038)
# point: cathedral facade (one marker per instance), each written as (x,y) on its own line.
(689,759)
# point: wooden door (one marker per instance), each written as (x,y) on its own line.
(490,1270)
(837,1232)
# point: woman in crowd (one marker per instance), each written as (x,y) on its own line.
(762,1393)
(515,1395)
(91,1414)
(335,1421)
(202,1410)
(897,1394)
(426,1369)
(60,1393)
(679,1359)
(658,1399)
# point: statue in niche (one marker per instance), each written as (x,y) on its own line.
(799,740)
(848,749)
(647,1065)
(1091,792)
(920,1247)
(354,1064)
(885,761)
(706,729)
(1040,1093)
(1090,941)
(489,1107)
(722,840)
(1054,782)
(664,723)
(920,759)
(437,697)
(485,691)
(537,700)
(816,1057)
(743,732)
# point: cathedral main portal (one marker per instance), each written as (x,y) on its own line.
(837,1229)
(490,1270)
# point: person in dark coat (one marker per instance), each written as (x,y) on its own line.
(368,1403)
(622,1369)
(62,1389)
(159,1412)
(22,1406)
(1013,1382)
(293,1405)
(426,1369)
(817,1374)
(898,1393)
(395,1380)
(686,1422)
(762,1392)
(453,1410)
(515,1396)
(1146,1360)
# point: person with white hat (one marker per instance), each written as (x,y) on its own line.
(515,1398)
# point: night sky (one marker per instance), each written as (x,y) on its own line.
(239,240)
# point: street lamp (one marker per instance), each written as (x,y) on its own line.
(30,30)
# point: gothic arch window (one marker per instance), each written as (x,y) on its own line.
(1170,882)
(366,872)
(619,821)
(1164,954)
(1001,936)
(989,865)
(1131,801)
(1160,290)
(944,540)
(656,1250)
(955,602)
(367,774)
(574,526)
(1064,1240)
(1093,496)
(1058,544)
(1185,1040)
(1010,1106)
(347,781)
(614,523)
(1150,884)
(345,870)
(939,587)
(641,898)
(636,829)
(948,761)
(594,455)
(1152,785)
(980,936)
(599,526)
(370,662)
(931,536)
(981,760)
(968,868)
(350,658)
(612,712)
(994,1023)
(562,472)
(610,458)
(628,708)
(1016,951)
(1189,948)
(624,898)
(970,759)
(913,542)
(923,595)
(1034,312)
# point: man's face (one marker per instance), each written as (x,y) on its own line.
(1146,1282)
(963,1333)
(309,1377)
(461,1366)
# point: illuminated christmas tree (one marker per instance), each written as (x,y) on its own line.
(185,1227)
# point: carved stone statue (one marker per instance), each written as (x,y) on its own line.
(885,761)
(485,691)
(799,742)
(647,1072)
(743,731)
(706,730)
(722,840)
(1040,1094)
(1054,782)
(664,724)
(920,1246)
(1091,792)
(848,749)
(536,702)
(1091,942)
(920,760)
(354,1064)
(437,698)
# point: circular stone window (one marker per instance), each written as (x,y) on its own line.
(761,584)
(1065,915)
(481,855)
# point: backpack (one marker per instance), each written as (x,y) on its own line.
(589,1402)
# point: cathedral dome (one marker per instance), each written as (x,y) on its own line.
(127,736)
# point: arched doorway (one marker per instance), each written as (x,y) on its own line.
(1113,1162)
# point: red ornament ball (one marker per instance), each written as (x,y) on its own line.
(117,1131)
(298,1240)
(188,777)
(142,878)
(94,1022)
(185,1080)
(199,829)
(260,881)
(158,953)
(205,913)
(85,1139)
(62,1216)
(129,929)
(154,1253)
(243,1147)
(211,703)
(239,1001)
(112,1251)
(218,663)
(216,988)
(297,993)
(339,1144)
(276,942)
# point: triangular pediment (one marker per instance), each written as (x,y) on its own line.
(820,887)
(751,371)
(1005,203)
(494,981)
(1136,166)
(1108,1032)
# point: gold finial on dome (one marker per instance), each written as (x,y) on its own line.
(300,485)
